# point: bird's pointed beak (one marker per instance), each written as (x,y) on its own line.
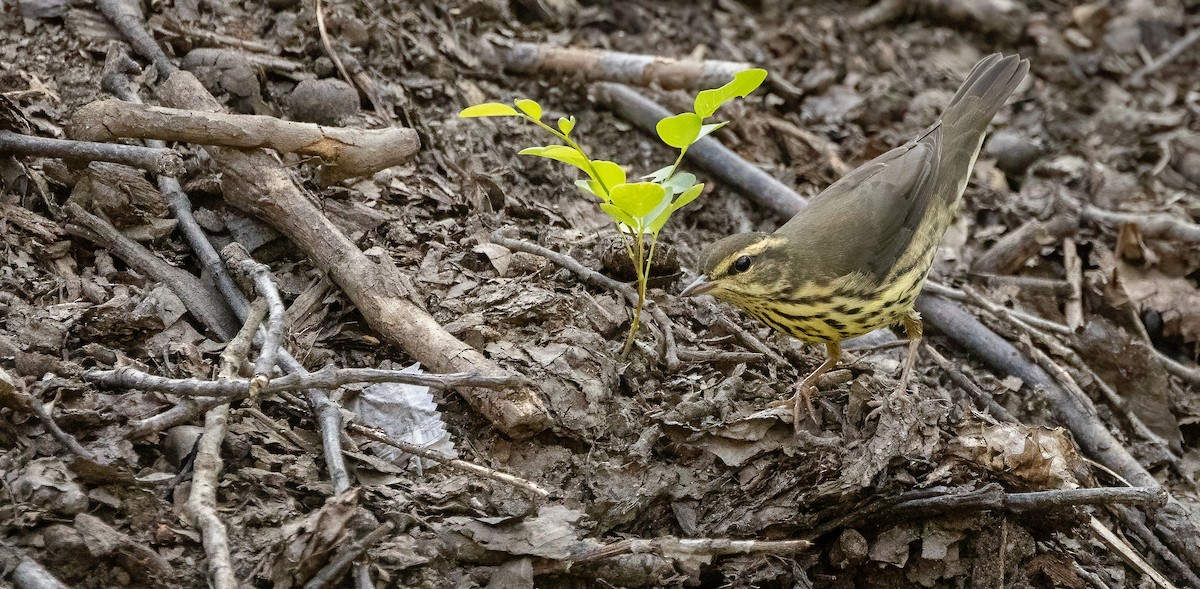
(698,287)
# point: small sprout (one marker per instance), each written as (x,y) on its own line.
(565,125)
(638,209)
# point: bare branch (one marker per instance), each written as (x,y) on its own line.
(162,161)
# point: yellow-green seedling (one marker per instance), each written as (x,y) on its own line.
(640,208)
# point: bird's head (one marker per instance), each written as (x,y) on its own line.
(741,267)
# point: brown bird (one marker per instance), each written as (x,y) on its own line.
(855,258)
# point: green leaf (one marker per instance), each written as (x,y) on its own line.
(680,130)
(679,182)
(638,198)
(585,185)
(619,216)
(708,101)
(662,211)
(609,173)
(688,196)
(658,175)
(657,224)
(529,107)
(707,130)
(566,125)
(560,153)
(487,109)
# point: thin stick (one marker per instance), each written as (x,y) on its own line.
(687,355)
(202,501)
(332,572)
(189,289)
(750,340)
(333,55)
(16,388)
(327,378)
(1048,286)
(969,294)
(271,340)
(1173,366)
(595,65)
(456,463)
(1136,521)
(1138,77)
(165,162)
(993,497)
(1073,310)
(968,385)
(671,547)
(1153,225)
(1010,252)
(1128,554)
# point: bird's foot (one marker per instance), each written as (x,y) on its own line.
(803,395)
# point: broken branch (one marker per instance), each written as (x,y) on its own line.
(327,378)
(594,65)
(161,161)
(347,152)
(1152,225)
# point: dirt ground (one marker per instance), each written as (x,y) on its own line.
(630,449)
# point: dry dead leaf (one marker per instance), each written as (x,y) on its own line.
(1040,457)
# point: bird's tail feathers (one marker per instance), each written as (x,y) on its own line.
(984,92)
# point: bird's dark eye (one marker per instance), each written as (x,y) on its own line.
(741,264)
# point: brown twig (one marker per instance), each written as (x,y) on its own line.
(1010,253)
(162,161)
(1073,309)
(202,500)
(10,386)
(194,293)
(1152,225)
(482,471)
(1128,554)
(598,65)
(992,497)
(1175,367)
(323,33)
(970,295)
(1136,522)
(1049,286)
(260,185)
(332,572)
(359,78)
(670,352)
(347,152)
(750,340)
(687,355)
(327,378)
(672,547)
(961,379)
(1138,77)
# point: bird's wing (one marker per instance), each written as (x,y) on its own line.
(865,221)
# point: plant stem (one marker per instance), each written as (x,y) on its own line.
(638,241)
(675,167)
(571,143)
